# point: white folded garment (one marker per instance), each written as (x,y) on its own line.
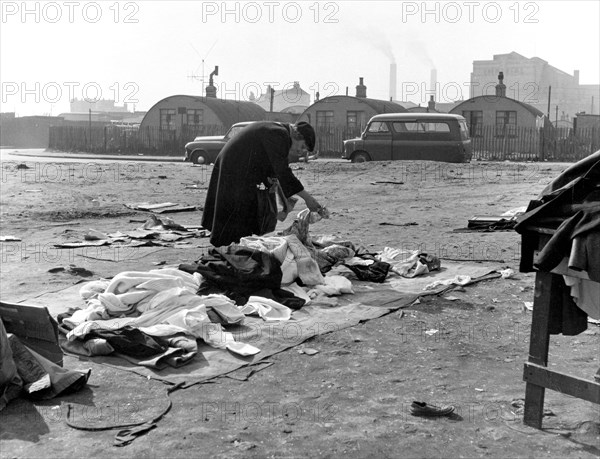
(457,280)
(94,311)
(242,349)
(266,308)
(334,285)
(93,289)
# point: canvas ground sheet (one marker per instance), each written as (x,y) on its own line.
(370,301)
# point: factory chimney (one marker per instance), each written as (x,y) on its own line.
(393,83)
(433,84)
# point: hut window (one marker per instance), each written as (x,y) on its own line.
(324,118)
(355,120)
(195,117)
(167,119)
(474,121)
(506,123)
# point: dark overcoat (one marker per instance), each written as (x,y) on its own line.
(260,151)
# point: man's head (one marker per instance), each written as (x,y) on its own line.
(304,131)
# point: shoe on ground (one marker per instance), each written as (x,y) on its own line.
(425,409)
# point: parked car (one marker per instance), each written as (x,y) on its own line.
(412,136)
(204,149)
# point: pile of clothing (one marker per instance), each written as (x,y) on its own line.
(570,206)
(150,318)
(154,318)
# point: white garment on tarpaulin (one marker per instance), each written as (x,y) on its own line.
(296,260)
(269,310)
(334,285)
(176,309)
(404,263)
(456,280)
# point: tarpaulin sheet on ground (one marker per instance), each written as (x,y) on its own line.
(370,300)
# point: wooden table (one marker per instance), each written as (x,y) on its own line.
(536,373)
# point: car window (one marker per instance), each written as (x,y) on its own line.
(378,126)
(438,127)
(417,126)
(399,127)
(233,132)
(408,126)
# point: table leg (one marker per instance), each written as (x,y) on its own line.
(538,347)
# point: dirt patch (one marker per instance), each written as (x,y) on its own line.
(352,397)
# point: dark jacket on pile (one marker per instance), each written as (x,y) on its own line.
(570,205)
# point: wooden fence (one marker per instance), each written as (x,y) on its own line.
(127,140)
(532,144)
(330,139)
(520,144)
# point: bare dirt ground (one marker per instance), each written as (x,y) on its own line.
(353,397)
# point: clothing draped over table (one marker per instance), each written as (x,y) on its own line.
(573,200)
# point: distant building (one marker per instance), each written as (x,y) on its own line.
(430,108)
(501,127)
(531,81)
(187,116)
(585,122)
(34,131)
(283,99)
(102,105)
(348,111)
(6,117)
(407,104)
(337,118)
(434,107)
(104,117)
(503,114)
(195,115)
(563,123)
(133,118)
(26,131)
(295,109)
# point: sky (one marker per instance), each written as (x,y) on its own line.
(139,52)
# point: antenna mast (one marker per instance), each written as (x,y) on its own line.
(202,77)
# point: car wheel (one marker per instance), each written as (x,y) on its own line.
(360,157)
(197,157)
